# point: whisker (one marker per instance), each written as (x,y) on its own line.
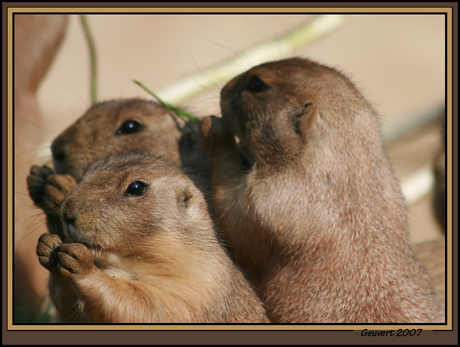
(235,53)
(41,127)
(34,225)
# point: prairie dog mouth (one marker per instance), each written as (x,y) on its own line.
(246,162)
(75,235)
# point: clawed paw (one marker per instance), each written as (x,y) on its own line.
(36,183)
(48,189)
(47,248)
(68,259)
(75,259)
(214,136)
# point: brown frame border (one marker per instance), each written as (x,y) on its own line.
(223,334)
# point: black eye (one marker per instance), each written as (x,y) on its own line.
(136,188)
(256,85)
(130,127)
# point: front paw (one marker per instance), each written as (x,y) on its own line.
(47,189)
(36,183)
(75,259)
(56,189)
(214,136)
(47,247)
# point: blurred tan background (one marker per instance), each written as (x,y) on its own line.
(397,61)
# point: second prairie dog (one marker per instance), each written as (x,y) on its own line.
(118,127)
(140,247)
(313,212)
(112,128)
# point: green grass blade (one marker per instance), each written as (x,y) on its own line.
(93,60)
(173,108)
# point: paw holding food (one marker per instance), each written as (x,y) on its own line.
(69,259)
(47,248)
(36,183)
(214,136)
(75,259)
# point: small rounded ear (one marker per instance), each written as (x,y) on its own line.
(307,119)
(184,196)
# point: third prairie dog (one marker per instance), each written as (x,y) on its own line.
(140,247)
(313,212)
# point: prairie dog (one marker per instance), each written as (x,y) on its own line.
(308,201)
(140,247)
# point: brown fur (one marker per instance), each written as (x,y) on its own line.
(144,258)
(95,135)
(318,220)
(37,39)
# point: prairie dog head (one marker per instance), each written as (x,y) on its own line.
(113,128)
(283,109)
(137,206)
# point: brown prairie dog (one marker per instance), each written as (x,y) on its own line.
(313,212)
(112,128)
(140,247)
